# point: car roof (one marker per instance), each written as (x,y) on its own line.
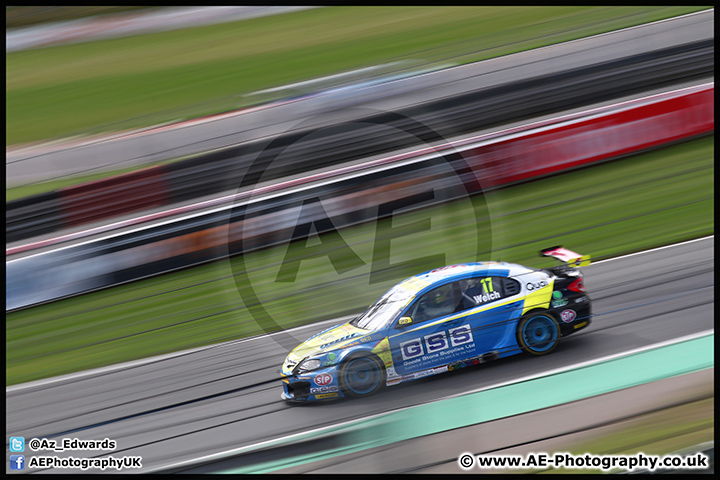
(431,278)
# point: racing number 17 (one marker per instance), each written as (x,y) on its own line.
(487,284)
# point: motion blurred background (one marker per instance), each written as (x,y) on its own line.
(180,177)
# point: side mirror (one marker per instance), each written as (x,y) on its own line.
(404,321)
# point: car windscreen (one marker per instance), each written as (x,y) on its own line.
(382,312)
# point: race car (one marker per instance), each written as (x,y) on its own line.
(441,320)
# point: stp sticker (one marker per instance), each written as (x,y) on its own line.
(567,316)
(323,379)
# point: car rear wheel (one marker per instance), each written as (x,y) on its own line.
(538,333)
(362,376)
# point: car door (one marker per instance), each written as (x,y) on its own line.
(436,334)
(489,308)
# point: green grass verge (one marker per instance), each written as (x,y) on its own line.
(146,79)
(639,202)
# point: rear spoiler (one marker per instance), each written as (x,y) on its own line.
(569,257)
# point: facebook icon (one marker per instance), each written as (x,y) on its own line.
(17,462)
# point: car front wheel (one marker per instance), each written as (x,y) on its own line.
(362,376)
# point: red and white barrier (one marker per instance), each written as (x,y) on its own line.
(593,138)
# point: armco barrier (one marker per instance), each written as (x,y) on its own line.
(389,131)
(495,162)
(36,215)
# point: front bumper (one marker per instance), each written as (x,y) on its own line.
(321,384)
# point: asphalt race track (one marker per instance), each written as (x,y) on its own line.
(224,397)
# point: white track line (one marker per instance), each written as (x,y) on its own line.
(654,249)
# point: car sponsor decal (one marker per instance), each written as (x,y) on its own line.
(465,363)
(488,294)
(558,300)
(316,390)
(536,285)
(431,348)
(580,325)
(583,261)
(326,395)
(329,340)
(538,297)
(415,375)
(331,336)
(331,359)
(411,349)
(382,350)
(460,335)
(485,297)
(436,342)
(323,379)
(581,299)
(356,342)
(424,373)
(568,316)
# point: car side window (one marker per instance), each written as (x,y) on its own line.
(438,302)
(478,291)
(510,287)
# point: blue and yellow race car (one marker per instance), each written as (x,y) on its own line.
(439,321)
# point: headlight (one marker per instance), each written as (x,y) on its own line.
(308,365)
(289,365)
